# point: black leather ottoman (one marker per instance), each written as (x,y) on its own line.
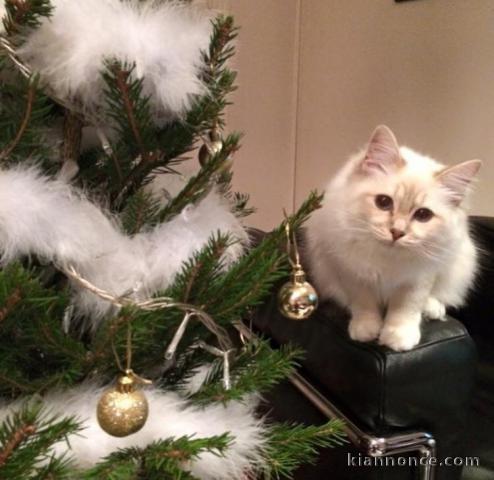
(383,392)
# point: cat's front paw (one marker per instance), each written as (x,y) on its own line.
(434,309)
(400,337)
(365,328)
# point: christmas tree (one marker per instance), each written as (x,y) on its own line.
(126,277)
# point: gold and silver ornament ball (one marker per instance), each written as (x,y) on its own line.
(297,299)
(213,144)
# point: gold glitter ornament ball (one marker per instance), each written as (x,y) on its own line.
(123,409)
(297,299)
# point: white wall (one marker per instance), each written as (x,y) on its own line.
(265,103)
(316,76)
(425,68)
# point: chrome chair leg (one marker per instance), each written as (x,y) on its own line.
(421,442)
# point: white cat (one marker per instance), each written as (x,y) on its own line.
(391,241)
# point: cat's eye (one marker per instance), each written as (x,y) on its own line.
(384,202)
(423,214)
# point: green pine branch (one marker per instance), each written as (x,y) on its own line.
(257,368)
(27,438)
(143,148)
(290,445)
(36,354)
(129,108)
(100,171)
(193,281)
(226,295)
(136,154)
(161,459)
(24,114)
(247,282)
(253,277)
(239,201)
(56,468)
(151,332)
(141,212)
(31,96)
(25,13)
(201,184)
(240,204)
(219,80)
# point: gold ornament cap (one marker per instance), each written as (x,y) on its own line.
(126,384)
(297,299)
(123,409)
(298,275)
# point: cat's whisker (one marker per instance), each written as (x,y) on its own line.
(433,255)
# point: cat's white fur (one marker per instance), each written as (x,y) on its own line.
(388,284)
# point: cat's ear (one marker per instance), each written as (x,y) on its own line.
(383,153)
(456,179)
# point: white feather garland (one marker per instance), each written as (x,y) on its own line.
(164,40)
(170,416)
(49,218)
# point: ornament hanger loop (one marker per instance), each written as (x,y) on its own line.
(291,243)
(127,371)
(128,352)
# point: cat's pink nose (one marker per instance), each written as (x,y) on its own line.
(396,233)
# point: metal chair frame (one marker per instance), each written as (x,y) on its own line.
(422,443)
